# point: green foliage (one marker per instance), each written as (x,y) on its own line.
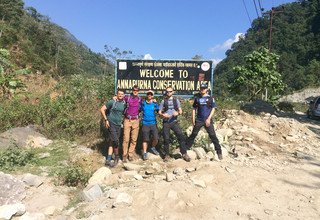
(9,82)
(259,77)
(73,114)
(73,175)
(295,38)
(44,46)
(13,158)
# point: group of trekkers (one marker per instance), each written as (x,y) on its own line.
(129,110)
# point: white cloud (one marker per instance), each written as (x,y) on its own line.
(216,61)
(147,57)
(227,44)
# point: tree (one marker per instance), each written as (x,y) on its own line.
(258,76)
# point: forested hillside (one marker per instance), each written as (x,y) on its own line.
(37,43)
(295,37)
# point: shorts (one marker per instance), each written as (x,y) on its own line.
(113,134)
(148,130)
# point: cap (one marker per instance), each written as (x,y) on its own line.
(203,85)
(150,91)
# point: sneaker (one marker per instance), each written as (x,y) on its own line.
(145,156)
(154,151)
(166,158)
(220,156)
(186,157)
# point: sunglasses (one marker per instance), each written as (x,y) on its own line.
(169,91)
(135,90)
(149,94)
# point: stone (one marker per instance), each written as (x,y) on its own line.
(169,177)
(123,199)
(178,171)
(131,166)
(112,194)
(200,152)
(190,169)
(33,216)
(50,210)
(126,175)
(7,211)
(172,195)
(32,180)
(22,137)
(199,183)
(37,142)
(229,170)
(138,177)
(210,155)
(92,193)
(99,176)
(12,190)
(192,154)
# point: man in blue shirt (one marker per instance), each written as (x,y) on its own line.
(204,106)
(149,107)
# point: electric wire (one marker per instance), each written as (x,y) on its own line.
(255,6)
(247,11)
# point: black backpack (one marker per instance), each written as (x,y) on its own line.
(166,105)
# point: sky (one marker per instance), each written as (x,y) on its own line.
(163,29)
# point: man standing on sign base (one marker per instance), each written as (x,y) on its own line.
(169,109)
(204,106)
(112,113)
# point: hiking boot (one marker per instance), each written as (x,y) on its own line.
(186,157)
(166,158)
(124,160)
(115,162)
(130,158)
(107,163)
(154,151)
(220,156)
(145,156)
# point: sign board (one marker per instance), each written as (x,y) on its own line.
(184,76)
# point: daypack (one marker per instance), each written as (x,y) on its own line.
(114,105)
(166,105)
(128,104)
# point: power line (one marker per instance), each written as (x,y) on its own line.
(247,11)
(260,6)
(255,6)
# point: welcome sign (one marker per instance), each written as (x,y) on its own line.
(184,76)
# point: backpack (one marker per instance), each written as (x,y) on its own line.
(114,105)
(166,105)
(128,104)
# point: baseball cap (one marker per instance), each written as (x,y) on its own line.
(150,91)
(203,85)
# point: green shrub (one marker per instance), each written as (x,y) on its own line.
(72,175)
(14,157)
(286,106)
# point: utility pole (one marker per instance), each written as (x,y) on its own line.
(271,13)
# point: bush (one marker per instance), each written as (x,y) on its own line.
(73,175)
(14,157)
(286,106)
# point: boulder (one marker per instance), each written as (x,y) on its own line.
(12,190)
